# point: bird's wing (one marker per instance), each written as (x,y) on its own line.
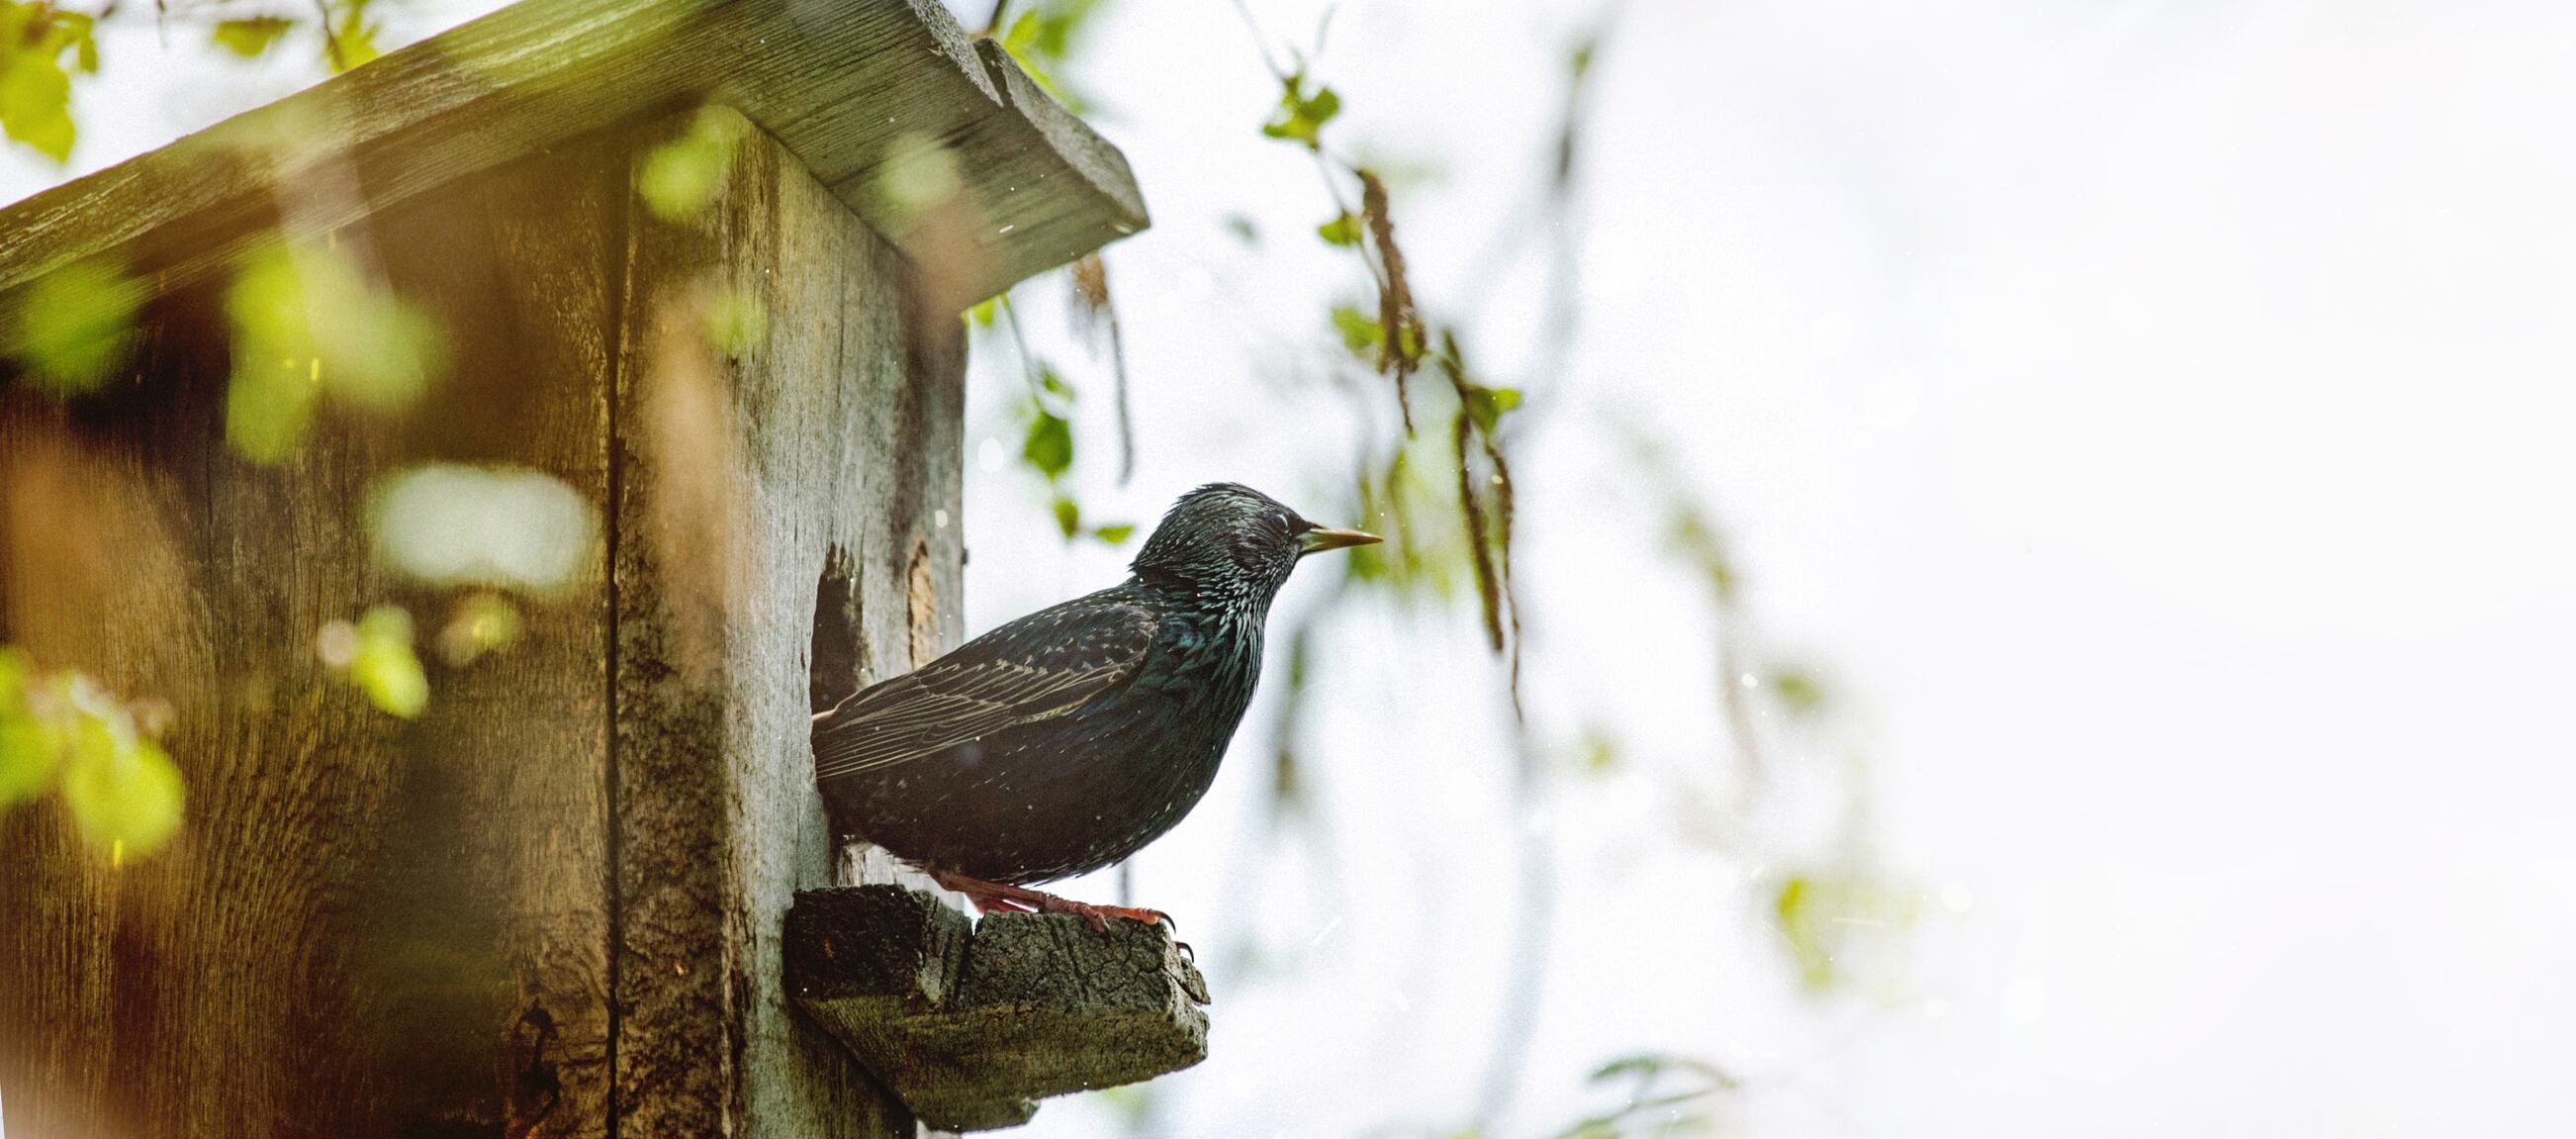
(1045,664)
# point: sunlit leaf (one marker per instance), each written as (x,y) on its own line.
(1115,533)
(1068,516)
(1040,39)
(984,312)
(73,326)
(1049,446)
(1301,116)
(124,793)
(1343,230)
(251,37)
(1487,406)
(35,102)
(352,36)
(1360,333)
(382,664)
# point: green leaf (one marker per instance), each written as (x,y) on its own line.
(35,101)
(352,38)
(984,314)
(73,326)
(1487,406)
(1068,516)
(1049,447)
(1801,693)
(1360,333)
(252,37)
(1053,384)
(385,668)
(124,793)
(1301,117)
(1343,230)
(1115,533)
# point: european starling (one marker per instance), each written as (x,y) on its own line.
(1065,741)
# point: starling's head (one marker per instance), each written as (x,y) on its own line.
(1230,538)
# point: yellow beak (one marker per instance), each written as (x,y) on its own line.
(1323,538)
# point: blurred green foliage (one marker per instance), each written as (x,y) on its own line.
(1661,1094)
(919,174)
(1831,915)
(40,47)
(737,322)
(679,178)
(73,326)
(251,37)
(1343,230)
(307,321)
(1301,114)
(65,729)
(1043,37)
(482,623)
(375,654)
(349,34)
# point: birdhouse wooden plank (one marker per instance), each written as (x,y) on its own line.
(551,900)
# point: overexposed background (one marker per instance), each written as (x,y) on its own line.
(2151,417)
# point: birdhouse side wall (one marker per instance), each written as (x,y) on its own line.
(787,493)
(551,903)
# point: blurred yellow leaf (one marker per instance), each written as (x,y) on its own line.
(35,104)
(306,321)
(385,667)
(124,793)
(252,37)
(73,325)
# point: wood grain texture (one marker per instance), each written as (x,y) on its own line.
(972,1025)
(830,444)
(835,80)
(367,926)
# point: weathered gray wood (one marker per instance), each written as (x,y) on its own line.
(831,442)
(836,80)
(367,926)
(971,1029)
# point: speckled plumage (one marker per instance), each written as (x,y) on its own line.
(1066,740)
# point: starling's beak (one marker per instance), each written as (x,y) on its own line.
(1323,538)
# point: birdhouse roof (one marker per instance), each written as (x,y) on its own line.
(838,82)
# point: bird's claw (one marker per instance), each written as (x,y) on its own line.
(994,897)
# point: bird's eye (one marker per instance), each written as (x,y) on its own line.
(1287,525)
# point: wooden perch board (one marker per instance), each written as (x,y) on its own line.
(836,83)
(971,1027)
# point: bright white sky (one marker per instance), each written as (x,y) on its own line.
(2152,414)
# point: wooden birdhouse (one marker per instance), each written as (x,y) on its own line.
(483,462)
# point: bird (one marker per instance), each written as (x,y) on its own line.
(1065,741)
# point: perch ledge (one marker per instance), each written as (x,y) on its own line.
(971,1023)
